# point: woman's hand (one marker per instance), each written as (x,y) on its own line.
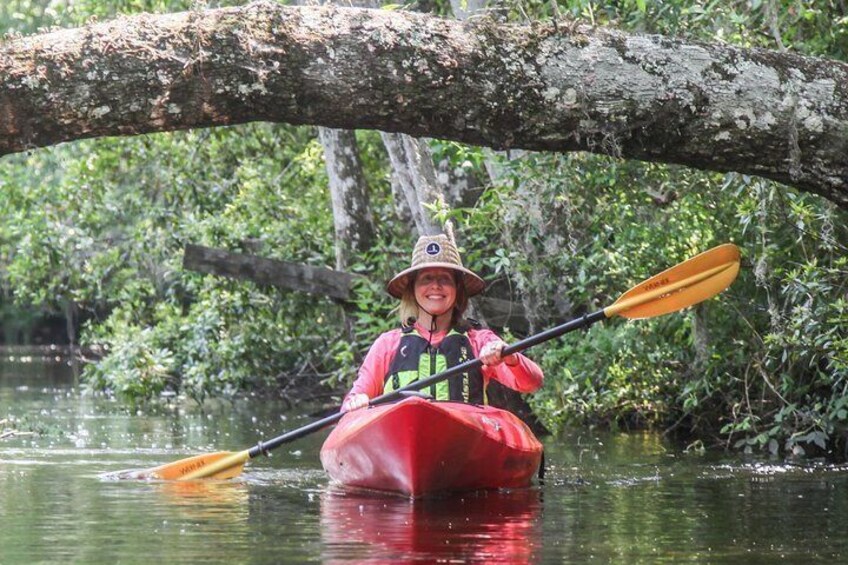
(355,402)
(491,354)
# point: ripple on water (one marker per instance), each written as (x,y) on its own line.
(758,468)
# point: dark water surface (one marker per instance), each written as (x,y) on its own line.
(607,497)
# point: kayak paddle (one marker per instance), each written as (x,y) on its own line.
(685,284)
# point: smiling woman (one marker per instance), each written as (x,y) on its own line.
(435,335)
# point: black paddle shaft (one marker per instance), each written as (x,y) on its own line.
(576,324)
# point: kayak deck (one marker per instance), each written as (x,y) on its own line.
(418,447)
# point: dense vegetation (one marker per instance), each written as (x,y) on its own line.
(94,230)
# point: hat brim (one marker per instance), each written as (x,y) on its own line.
(474,285)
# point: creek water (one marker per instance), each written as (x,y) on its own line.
(606,497)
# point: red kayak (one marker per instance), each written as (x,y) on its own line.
(418,447)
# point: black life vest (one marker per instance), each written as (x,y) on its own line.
(416,359)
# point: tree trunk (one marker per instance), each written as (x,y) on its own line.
(539,87)
(464,9)
(535,230)
(700,336)
(412,164)
(460,186)
(71,316)
(402,208)
(352,218)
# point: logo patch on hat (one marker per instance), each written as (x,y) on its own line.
(433,248)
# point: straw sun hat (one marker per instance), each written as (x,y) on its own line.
(435,251)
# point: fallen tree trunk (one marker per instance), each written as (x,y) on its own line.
(317,281)
(320,281)
(540,87)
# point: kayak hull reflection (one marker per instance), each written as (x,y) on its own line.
(419,447)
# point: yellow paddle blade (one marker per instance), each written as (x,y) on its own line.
(685,284)
(184,467)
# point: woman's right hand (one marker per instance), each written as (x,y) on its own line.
(355,402)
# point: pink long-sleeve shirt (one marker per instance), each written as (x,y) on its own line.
(524,376)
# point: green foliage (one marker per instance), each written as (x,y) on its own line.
(817,27)
(775,368)
(27,16)
(137,366)
(103,224)
(800,331)
(766,358)
(622,375)
(12,427)
(370,314)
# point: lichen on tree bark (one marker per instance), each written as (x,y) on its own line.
(539,87)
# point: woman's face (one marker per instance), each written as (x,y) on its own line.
(435,290)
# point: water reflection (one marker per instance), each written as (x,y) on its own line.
(480,527)
(207,499)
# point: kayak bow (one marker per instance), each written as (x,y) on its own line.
(419,447)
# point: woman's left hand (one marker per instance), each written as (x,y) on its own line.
(491,354)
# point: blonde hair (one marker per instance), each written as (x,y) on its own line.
(408,307)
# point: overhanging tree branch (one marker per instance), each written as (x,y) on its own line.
(718,107)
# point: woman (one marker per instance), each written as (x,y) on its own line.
(434,335)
